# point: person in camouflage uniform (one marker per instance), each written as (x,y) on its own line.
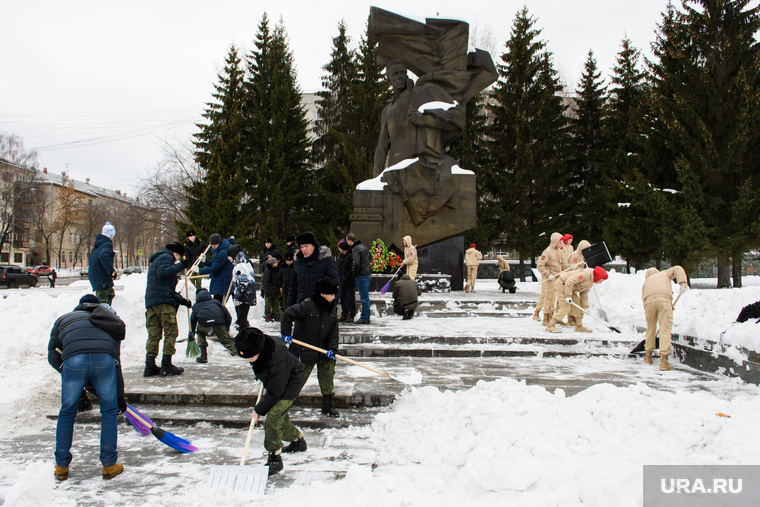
(282,376)
(161,313)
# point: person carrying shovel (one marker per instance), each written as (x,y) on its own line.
(568,283)
(282,376)
(316,323)
(657,295)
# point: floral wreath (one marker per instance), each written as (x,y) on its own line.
(383,261)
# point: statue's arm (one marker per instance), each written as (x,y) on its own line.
(442,119)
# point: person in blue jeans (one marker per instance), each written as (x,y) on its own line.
(362,274)
(85,352)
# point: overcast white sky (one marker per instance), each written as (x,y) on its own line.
(96,86)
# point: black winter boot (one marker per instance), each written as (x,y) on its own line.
(151,370)
(408,314)
(296,446)
(203,358)
(327,408)
(274,462)
(167,368)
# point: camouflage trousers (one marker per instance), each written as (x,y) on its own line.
(158,319)
(221,332)
(277,426)
(105,295)
(325,376)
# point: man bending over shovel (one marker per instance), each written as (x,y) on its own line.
(282,376)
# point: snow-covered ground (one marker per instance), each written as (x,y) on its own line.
(499,443)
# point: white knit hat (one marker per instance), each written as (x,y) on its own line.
(109,230)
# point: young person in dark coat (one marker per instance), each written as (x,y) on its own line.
(161,312)
(347,284)
(316,323)
(83,353)
(269,251)
(282,376)
(101,272)
(219,268)
(271,285)
(193,249)
(208,313)
(291,246)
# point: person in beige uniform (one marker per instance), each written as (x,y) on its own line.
(657,295)
(410,257)
(576,261)
(577,282)
(549,266)
(472,259)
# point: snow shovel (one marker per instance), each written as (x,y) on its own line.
(241,478)
(586,312)
(602,313)
(388,285)
(357,363)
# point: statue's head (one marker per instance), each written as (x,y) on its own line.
(395,71)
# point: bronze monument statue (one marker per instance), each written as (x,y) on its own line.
(418,190)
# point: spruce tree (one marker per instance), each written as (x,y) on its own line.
(706,82)
(214,204)
(279,178)
(523,182)
(586,182)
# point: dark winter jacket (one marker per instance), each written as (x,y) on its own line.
(360,255)
(193,249)
(406,291)
(346,269)
(316,323)
(279,371)
(266,252)
(100,272)
(271,281)
(162,278)
(208,312)
(74,333)
(286,273)
(220,269)
(306,272)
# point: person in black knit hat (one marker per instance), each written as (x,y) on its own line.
(282,376)
(316,323)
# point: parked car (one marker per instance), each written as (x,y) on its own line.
(41,270)
(132,269)
(13,276)
(83,272)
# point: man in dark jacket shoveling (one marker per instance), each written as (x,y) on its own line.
(282,376)
(316,323)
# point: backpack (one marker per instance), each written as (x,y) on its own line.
(749,312)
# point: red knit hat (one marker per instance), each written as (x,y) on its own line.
(472,245)
(566,238)
(599,274)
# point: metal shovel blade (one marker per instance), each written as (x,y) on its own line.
(599,314)
(240,478)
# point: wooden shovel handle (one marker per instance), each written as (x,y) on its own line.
(323,351)
(250,429)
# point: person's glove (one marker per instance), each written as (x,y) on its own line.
(683,288)
(185,262)
(194,269)
(568,300)
(330,354)
(122,404)
(550,277)
(191,336)
(287,339)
